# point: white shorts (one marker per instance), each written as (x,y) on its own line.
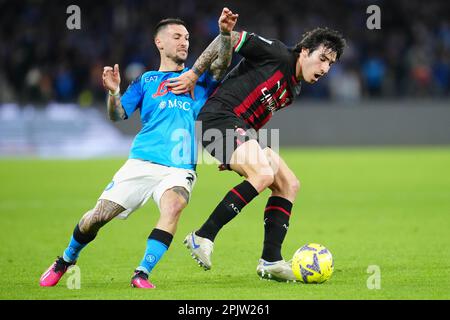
(139,180)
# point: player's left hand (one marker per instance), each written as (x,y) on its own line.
(183,83)
(227,20)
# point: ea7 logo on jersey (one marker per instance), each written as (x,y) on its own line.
(151,79)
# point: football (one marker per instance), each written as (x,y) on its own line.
(312,263)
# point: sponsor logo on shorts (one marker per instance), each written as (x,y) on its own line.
(190,178)
(240,131)
(241,136)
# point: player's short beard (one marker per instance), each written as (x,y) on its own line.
(178,60)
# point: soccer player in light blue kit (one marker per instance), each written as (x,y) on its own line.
(162,159)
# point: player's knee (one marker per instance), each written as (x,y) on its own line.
(294,186)
(265,178)
(172,210)
(178,207)
(291,186)
(287,187)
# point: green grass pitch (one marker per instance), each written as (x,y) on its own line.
(370,206)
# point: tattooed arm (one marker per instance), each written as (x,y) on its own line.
(111,82)
(115,109)
(217,56)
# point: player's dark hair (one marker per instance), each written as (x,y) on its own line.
(165,22)
(331,39)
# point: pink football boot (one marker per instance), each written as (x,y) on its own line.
(54,273)
(140,280)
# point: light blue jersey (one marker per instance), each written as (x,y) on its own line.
(167,136)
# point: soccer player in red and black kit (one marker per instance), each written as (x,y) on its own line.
(266,80)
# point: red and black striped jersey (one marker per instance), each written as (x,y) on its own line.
(262,83)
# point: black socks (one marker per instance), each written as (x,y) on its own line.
(162,236)
(276,224)
(276,218)
(82,238)
(236,199)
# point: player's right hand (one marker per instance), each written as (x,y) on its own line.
(227,20)
(111,78)
(183,83)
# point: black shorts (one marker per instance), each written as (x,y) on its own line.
(222,132)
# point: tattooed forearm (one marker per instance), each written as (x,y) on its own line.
(207,57)
(96,218)
(223,61)
(115,109)
(217,55)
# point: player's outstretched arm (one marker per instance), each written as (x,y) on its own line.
(216,57)
(218,54)
(227,21)
(111,82)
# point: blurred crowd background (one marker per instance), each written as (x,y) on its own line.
(41,61)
